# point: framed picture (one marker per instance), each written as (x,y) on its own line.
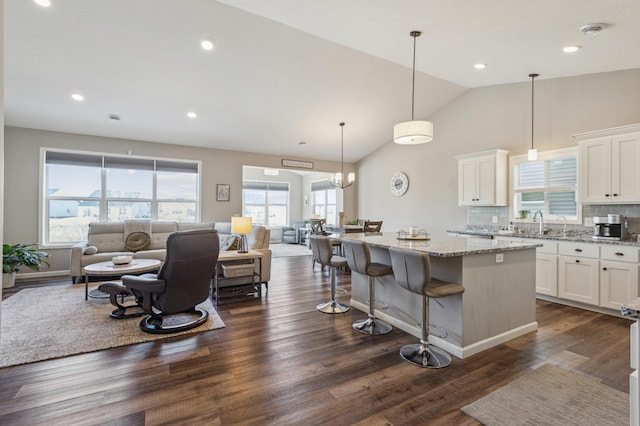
(222,191)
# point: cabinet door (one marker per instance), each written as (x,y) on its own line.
(467,182)
(595,170)
(547,274)
(625,172)
(486,180)
(579,279)
(618,283)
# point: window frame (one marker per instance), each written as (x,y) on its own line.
(44,199)
(266,196)
(324,186)
(515,160)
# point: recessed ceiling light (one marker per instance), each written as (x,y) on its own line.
(114,117)
(480,66)
(192,114)
(570,49)
(206,44)
(302,143)
(77,97)
(43,3)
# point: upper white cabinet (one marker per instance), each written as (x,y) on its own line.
(608,165)
(482,178)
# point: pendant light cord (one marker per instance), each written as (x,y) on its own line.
(533,76)
(414,34)
(342,152)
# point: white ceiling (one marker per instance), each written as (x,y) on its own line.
(285,71)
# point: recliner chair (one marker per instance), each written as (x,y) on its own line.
(183,281)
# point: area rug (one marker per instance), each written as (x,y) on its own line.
(52,322)
(287,250)
(552,396)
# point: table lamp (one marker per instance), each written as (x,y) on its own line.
(242,227)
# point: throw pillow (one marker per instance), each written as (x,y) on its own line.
(137,241)
(231,243)
(91,250)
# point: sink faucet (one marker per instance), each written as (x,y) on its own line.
(539,212)
(564,221)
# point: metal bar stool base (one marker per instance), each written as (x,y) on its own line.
(371,326)
(427,357)
(332,307)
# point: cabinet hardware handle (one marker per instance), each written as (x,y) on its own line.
(578,250)
(577,260)
(604,269)
(615,195)
(606,195)
(619,254)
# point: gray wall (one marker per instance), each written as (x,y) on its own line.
(483,119)
(22,174)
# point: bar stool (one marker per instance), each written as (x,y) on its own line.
(412,271)
(359,260)
(323,254)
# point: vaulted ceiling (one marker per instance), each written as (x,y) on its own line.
(287,71)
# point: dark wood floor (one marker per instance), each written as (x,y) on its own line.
(281,362)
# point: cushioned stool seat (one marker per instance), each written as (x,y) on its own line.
(412,271)
(359,260)
(322,250)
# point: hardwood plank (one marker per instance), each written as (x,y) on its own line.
(280,361)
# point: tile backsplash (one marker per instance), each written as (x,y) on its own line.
(482,218)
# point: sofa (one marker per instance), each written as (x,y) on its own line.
(291,234)
(107,239)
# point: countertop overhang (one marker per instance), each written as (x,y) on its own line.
(440,246)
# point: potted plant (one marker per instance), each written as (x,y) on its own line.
(17,255)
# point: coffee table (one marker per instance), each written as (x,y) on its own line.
(136,266)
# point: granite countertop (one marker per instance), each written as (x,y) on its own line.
(440,246)
(570,236)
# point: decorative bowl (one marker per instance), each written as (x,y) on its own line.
(121,260)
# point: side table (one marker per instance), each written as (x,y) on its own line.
(108,269)
(233,283)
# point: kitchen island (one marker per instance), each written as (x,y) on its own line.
(499,302)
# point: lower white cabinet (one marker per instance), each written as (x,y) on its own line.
(579,279)
(547,274)
(618,276)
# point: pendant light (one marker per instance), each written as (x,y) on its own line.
(413,132)
(337,180)
(533,153)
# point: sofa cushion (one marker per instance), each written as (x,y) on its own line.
(160,231)
(158,254)
(137,241)
(91,250)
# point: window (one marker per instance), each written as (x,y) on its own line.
(324,201)
(548,185)
(267,203)
(82,188)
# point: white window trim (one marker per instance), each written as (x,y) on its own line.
(543,156)
(42,188)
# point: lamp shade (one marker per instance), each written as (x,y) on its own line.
(413,132)
(241,225)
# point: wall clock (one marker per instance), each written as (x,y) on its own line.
(399,184)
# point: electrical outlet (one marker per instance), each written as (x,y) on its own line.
(494,219)
(499,257)
(588,221)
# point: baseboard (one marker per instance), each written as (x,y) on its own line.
(39,275)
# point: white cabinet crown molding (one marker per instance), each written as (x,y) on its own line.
(607,132)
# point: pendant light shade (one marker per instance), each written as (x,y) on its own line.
(532,155)
(413,132)
(337,180)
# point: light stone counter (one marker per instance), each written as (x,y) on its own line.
(499,299)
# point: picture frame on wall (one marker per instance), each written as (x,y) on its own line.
(223,191)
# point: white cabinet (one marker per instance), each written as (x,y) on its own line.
(482,178)
(608,165)
(578,274)
(618,276)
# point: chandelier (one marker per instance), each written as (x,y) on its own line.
(337,180)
